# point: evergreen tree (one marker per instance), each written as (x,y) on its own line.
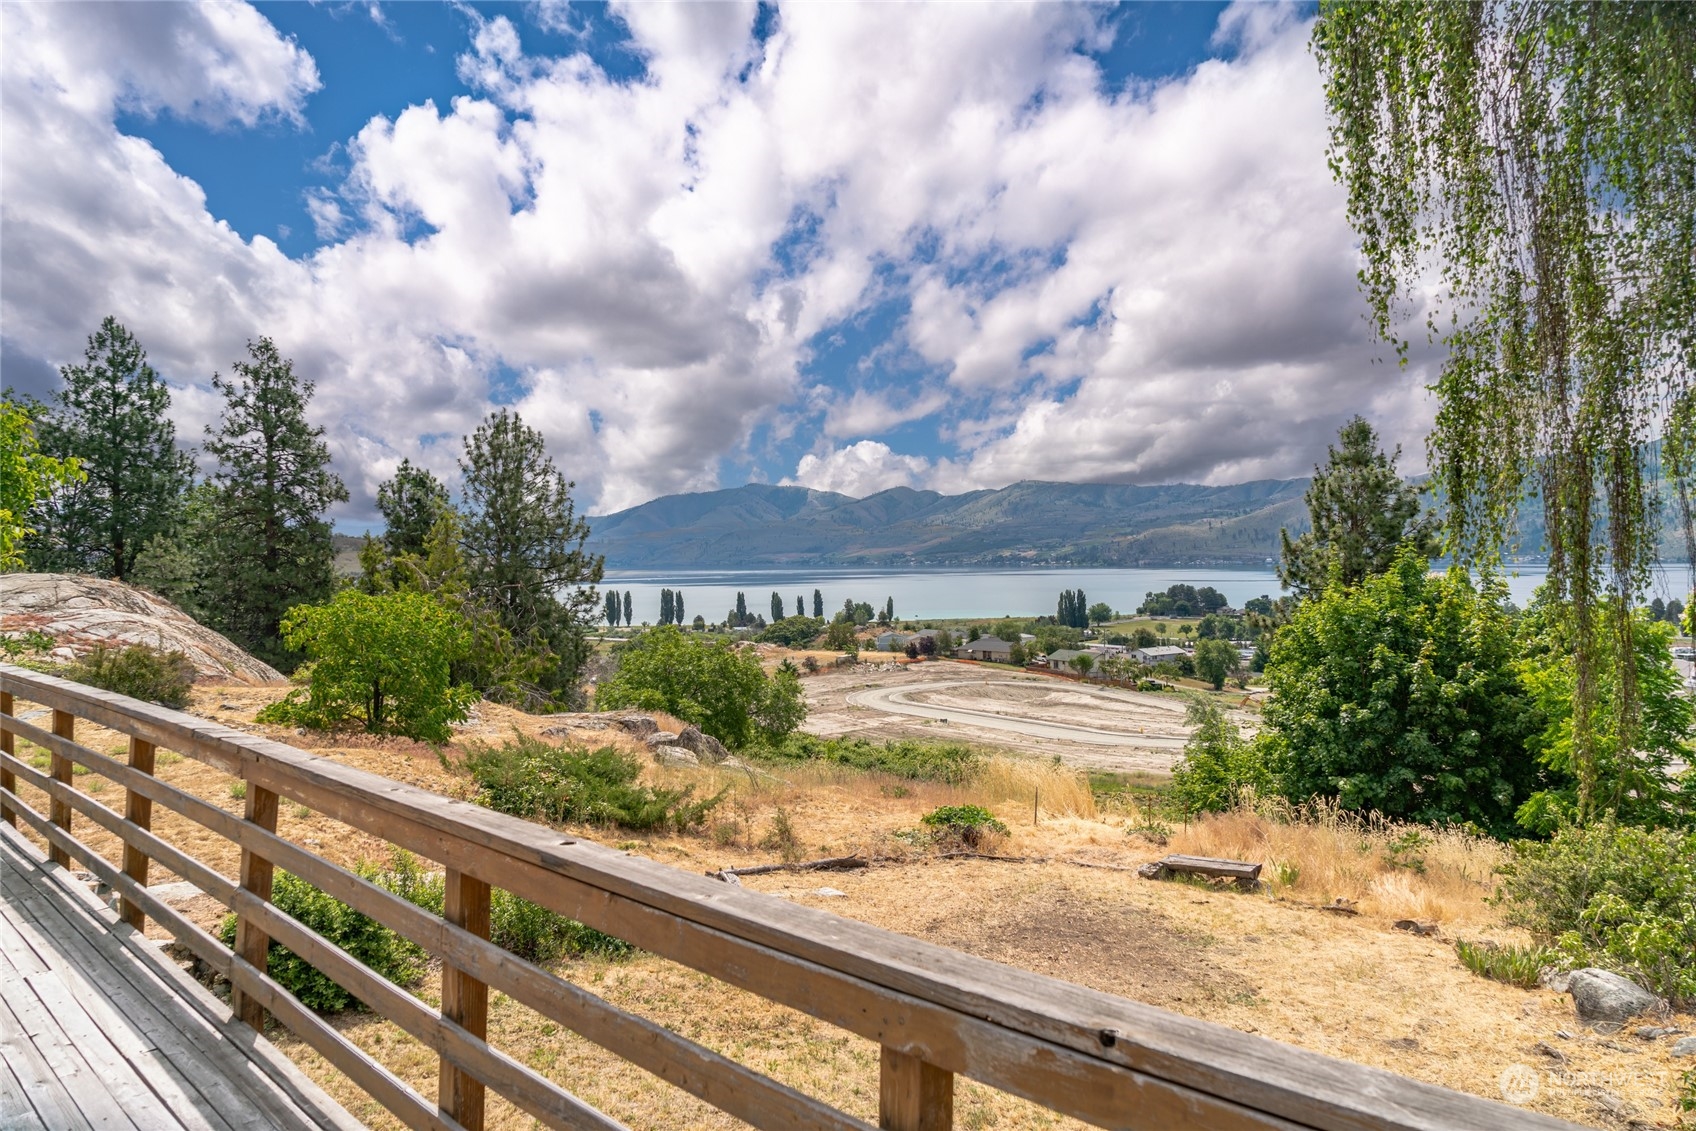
(411,503)
(818,605)
(629,609)
(776,607)
(524,548)
(111,416)
(1361,511)
(615,608)
(269,545)
(665,606)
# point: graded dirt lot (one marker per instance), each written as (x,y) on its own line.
(1085,725)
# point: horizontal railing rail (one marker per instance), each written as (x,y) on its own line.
(935,1012)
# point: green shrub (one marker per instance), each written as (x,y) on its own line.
(1615,896)
(386,953)
(137,671)
(951,762)
(1517,966)
(383,660)
(1219,768)
(971,825)
(530,778)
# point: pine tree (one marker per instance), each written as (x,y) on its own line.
(411,503)
(818,605)
(524,548)
(1362,512)
(270,545)
(111,415)
(776,607)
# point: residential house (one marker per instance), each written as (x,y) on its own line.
(891,641)
(1060,660)
(1164,654)
(987,648)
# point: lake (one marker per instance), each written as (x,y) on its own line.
(945,593)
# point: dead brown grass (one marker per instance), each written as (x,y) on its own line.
(1272,964)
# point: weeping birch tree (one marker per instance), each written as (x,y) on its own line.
(1522,177)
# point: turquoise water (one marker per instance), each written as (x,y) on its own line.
(944,593)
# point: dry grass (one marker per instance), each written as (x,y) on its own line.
(1392,870)
(1345,986)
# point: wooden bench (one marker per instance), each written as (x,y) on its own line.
(1245,874)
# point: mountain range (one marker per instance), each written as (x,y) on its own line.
(1026,524)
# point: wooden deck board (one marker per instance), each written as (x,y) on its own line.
(100,1031)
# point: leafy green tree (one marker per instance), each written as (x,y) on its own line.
(1401,695)
(524,548)
(111,415)
(1523,174)
(839,637)
(792,632)
(1362,513)
(1083,663)
(714,684)
(384,661)
(1100,613)
(1215,660)
(410,503)
(269,544)
(1634,782)
(26,475)
(818,604)
(776,607)
(1219,767)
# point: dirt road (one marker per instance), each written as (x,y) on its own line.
(1086,726)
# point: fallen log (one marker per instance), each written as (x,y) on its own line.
(828,864)
(1246,875)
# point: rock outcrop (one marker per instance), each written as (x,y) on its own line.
(82,612)
(1605,1001)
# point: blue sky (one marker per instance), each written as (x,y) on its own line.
(847,247)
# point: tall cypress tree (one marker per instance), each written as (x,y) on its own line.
(629,609)
(677,607)
(271,544)
(524,548)
(665,606)
(615,609)
(800,606)
(818,605)
(111,415)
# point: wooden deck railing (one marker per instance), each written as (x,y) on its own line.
(936,1013)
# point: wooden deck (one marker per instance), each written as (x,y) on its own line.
(99,1030)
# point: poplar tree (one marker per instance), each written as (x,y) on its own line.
(776,607)
(677,607)
(818,605)
(615,608)
(629,609)
(270,545)
(800,606)
(665,606)
(524,548)
(111,416)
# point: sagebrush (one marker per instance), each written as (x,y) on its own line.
(529,777)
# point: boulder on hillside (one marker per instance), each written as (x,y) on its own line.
(82,612)
(1605,1001)
(703,746)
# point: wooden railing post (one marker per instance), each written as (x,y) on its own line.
(138,810)
(8,780)
(59,812)
(913,1095)
(465,1000)
(252,943)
